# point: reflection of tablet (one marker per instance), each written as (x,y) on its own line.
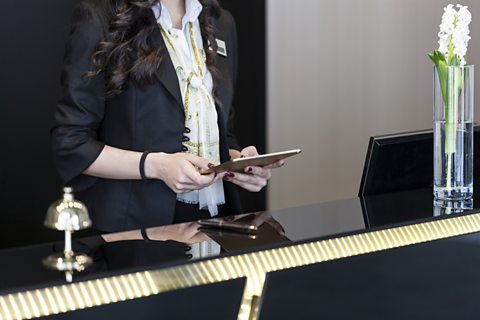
(221,233)
(222,224)
(239,164)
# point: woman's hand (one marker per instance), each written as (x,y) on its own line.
(254,178)
(180,171)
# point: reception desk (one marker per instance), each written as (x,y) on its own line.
(391,256)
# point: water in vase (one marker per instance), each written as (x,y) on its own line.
(453,160)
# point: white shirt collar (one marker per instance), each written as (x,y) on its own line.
(193,8)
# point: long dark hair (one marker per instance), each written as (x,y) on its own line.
(128,51)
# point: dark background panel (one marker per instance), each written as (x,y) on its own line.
(33,34)
(250,96)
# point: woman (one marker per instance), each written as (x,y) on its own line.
(146,104)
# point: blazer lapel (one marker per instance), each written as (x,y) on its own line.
(166,73)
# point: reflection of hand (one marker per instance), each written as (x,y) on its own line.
(254,178)
(179,171)
(266,217)
(258,219)
(185,233)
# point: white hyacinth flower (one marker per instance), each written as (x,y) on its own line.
(455,33)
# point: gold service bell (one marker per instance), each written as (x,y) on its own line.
(69,215)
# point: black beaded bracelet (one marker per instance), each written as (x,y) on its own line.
(142,165)
(144,235)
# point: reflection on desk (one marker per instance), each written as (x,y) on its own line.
(172,245)
(284,239)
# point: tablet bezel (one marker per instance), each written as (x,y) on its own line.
(239,164)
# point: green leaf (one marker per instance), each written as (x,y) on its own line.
(443,77)
(439,60)
(433,57)
(437,57)
(441,56)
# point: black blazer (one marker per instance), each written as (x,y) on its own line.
(138,119)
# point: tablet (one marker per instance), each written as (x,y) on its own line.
(239,164)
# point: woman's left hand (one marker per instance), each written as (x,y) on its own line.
(254,178)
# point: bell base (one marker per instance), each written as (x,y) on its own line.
(72,262)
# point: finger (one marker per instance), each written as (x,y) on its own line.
(199,162)
(247,186)
(245,178)
(249,152)
(277,226)
(259,220)
(202,180)
(183,189)
(234,153)
(248,182)
(278,164)
(191,230)
(193,177)
(194,185)
(197,179)
(217,177)
(259,171)
(199,237)
(185,184)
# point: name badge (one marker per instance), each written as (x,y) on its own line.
(221,47)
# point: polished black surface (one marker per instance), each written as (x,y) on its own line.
(213,301)
(126,252)
(435,280)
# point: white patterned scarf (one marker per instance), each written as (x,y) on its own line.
(200,111)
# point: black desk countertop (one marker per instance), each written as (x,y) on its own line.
(434,280)
(22,267)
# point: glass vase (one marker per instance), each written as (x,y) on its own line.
(447,207)
(453,132)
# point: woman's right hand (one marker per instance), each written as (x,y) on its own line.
(180,171)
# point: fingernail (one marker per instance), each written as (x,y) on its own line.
(211,165)
(231,175)
(242,156)
(249,169)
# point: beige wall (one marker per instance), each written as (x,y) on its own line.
(340,71)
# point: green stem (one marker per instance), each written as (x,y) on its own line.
(451,120)
(449,171)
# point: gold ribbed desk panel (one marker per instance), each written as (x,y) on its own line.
(253,266)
